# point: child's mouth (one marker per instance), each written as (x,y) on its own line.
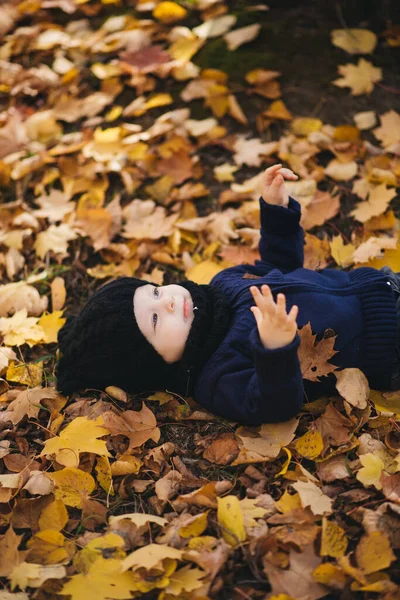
(186,308)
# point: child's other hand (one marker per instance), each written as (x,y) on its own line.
(272,186)
(275,327)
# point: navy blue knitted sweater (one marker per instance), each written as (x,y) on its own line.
(243,381)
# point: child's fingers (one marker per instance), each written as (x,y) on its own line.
(277,181)
(270,173)
(265,300)
(287,173)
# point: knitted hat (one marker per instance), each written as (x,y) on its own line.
(104,346)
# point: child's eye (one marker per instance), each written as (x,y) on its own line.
(154,320)
(156,292)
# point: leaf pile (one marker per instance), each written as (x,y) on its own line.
(106,121)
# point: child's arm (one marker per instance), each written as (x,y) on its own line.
(282,238)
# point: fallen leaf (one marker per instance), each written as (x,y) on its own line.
(360,78)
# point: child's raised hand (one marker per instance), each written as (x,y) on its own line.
(272,186)
(275,327)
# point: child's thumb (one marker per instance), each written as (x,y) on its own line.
(278,180)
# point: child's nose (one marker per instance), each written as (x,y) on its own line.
(170,303)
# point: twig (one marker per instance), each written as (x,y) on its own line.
(388,89)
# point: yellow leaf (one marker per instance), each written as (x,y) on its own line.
(21,329)
(384,404)
(185,48)
(278,110)
(150,556)
(371,470)
(53,516)
(333,541)
(303,126)
(49,547)
(72,486)
(111,542)
(105,579)
(186,580)
(169,12)
(55,238)
(388,132)
(104,477)
(310,444)
(159,100)
(341,252)
(30,374)
(329,574)
(360,78)
(286,464)
(203,272)
(126,464)
(354,41)
(378,201)
(51,324)
(231,521)
(373,552)
(79,436)
(251,511)
(31,575)
(195,527)
(288,502)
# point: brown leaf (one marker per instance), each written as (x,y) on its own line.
(297,581)
(138,426)
(206,495)
(223,450)
(313,358)
(9,555)
(333,426)
(167,487)
(391,486)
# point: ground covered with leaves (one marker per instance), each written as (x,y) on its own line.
(132,137)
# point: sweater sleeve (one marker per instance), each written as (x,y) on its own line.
(271,391)
(282,237)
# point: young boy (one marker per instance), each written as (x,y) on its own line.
(232,345)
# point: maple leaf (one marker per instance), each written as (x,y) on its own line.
(27,403)
(249,151)
(313,358)
(360,78)
(138,426)
(145,220)
(389,131)
(55,238)
(73,486)
(79,436)
(378,201)
(103,580)
(312,496)
(32,575)
(54,207)
(298,580)
(21,329)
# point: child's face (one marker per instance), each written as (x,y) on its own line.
(164,315)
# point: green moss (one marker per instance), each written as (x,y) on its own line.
(215,55)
